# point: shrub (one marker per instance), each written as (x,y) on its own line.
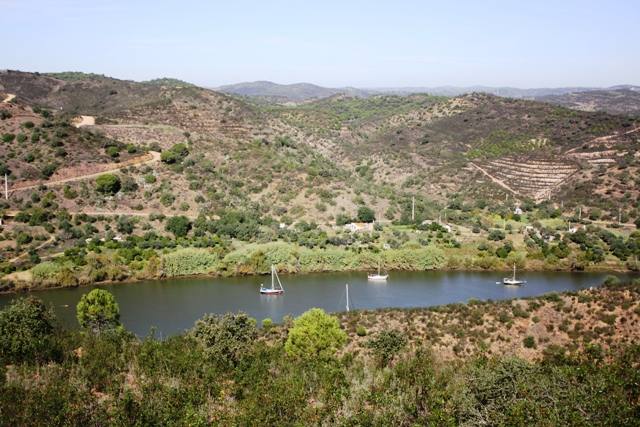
(315,335)
(178,225)
(175,154)
(496,235)
(98,311)
(366,214)
(529,342)
(386,345)
(108,184)
(361,331)
(112,151)
(227,338)
(27,332)
(188,261)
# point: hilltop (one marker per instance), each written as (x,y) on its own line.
(618,100)
(296,92)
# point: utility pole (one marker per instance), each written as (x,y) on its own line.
(620,216)
(413,208)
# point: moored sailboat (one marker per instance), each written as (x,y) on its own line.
(378,277)
(512,281)
(275,289)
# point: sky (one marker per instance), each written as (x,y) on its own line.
(357,43)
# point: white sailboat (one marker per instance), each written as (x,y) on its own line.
(378,277)
(512,281)
(275,289)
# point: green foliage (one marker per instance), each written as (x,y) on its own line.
(315,335)
(108,184)
(98,311)
(189,261)
(27,332)
(225,339)
(175,154)
(366,214)
(178,225)
(386,345)
(529,342)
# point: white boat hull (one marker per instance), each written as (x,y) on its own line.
(267,291)
(378,277)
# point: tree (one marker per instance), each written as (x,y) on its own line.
(178,225)
(315,334)
(98,311)
(366,214)
(27,332)
(342,219)
(108,184)
(386,345)
(225,338)
(175,154)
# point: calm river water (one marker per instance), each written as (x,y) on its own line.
(172,306)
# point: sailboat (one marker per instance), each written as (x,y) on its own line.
(378,277)
(512,281)
(274,289)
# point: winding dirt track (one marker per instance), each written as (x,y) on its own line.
(9,98)
(149,158)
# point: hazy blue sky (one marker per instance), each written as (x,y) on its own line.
(335,43)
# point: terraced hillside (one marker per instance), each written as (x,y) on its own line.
(320,159)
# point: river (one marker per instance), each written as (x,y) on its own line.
(171,306)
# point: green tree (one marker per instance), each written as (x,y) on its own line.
(108,184)
(225,338)
(386,345)
(315,334)
(27,332)
(178,225)
(98,311)
(366,214)
(175,154)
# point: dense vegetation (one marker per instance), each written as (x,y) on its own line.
(226,371)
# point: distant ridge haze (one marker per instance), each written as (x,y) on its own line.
(300,92)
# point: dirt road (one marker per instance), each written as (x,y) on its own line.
(83,121)
(10,97)
(149,158)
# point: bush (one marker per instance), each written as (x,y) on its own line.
(98,311)
(366,214)
(108,184)
(496,235)
(27,332)
(227,338)
(175,154)
(188,261)
(386,345)
(315,335)
(361,331)
(178,225)
(529,342)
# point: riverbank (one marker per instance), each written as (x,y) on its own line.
(125,266)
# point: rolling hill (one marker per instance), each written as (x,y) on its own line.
(617,100)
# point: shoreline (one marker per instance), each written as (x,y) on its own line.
(214,275)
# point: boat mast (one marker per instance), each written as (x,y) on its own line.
(347,288)
(514,271)
(273,270)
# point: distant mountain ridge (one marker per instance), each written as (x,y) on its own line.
(619,99)
(296,92)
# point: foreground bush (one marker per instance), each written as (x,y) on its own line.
(27,332)
(315,334)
